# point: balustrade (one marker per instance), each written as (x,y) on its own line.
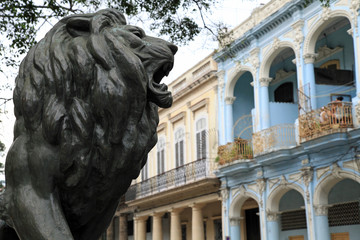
(335,117)
(180,176)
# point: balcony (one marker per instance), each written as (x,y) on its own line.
(240,149)
(178,177)
(278,137)
(334,117)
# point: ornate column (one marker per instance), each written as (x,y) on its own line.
(229,119)
(140,227)
(235,230)
(175,224)
(322,231)
(123,227)
(309,59)
(273,226)
(157,226)
(265,107)
(197,222)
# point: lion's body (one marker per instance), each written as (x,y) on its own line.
(85,102)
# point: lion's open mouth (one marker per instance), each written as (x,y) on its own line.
(158,93)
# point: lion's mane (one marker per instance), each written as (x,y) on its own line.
(84,91)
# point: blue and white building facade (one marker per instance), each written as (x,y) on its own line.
(283,69)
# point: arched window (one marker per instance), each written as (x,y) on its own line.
(284,93)
(201,141)
(179,147)
(161,155)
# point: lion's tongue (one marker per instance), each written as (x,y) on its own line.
(158,94)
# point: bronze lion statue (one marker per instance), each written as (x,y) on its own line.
(86,100)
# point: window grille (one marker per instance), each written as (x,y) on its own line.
(344,214)
(292,220)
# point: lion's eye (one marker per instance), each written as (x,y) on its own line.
(137,33)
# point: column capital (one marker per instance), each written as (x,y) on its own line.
(321,210)
(140,218)
(175,210)
(157,214)
(264,82)
(230,100)
(272,216)
(235,221)
(310,57)
(197,206)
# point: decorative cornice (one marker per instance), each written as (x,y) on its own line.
(178,117)
(200,104)
(161,127)
(264,82)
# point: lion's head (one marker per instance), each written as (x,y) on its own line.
(89,89)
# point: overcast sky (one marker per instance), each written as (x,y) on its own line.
(231,12)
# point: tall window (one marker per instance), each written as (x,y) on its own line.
(144,171)
(161,155)
(201,139)
(179,147)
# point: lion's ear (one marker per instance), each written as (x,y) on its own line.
(78,26)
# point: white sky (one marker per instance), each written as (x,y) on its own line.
(231,12)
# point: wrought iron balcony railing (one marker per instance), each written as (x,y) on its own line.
(177,177)
(335,117)
(240,149)
(278,137)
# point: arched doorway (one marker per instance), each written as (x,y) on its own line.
(245,217)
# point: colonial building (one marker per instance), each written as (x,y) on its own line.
(288,118)
(177,195)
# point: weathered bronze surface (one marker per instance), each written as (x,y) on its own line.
(86,101)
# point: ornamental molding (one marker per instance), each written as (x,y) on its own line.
(296,177)
(271,216)
(325,15)
(298,35)
(272,182)
(264,82)
(161,127)
(336,170)
(235,221)
(254,59)
(178,117)
(307,175)
(321,172)
(261,184)
(252,187)
(310,57)
(221,82)
(224,194)
(325,52)
(276,43)
(321,210)
(354,8)
(230,100)
(201,104)
(281,74)
(353,165)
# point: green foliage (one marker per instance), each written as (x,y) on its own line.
(21,19)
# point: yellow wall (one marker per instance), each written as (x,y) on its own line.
(195,96)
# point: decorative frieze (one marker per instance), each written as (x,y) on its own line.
(264,82)
(321,171)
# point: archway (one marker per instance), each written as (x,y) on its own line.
(334,65)
(244,217)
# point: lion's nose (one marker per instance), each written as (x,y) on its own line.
(173,48)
